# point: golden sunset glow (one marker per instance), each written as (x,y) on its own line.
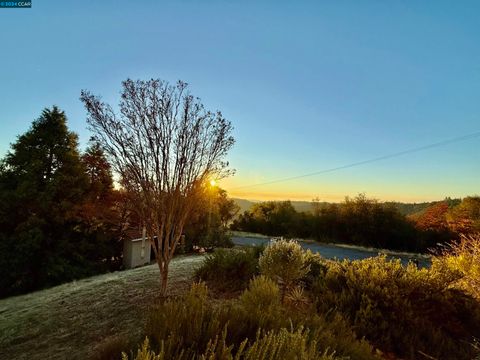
(335,189)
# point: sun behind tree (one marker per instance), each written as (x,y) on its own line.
(165,146)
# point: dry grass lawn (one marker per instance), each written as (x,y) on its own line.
(69,321)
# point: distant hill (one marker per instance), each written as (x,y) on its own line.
(411,208)
(417,209)
(244,204)
(306,206)
(300,206)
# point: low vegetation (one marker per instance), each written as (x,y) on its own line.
(230,269)
(359,309)
(463,256)
(254,326)
(403,310)
(366,309)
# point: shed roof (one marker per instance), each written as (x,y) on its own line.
(133,234)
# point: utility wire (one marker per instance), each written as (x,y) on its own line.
(389,156)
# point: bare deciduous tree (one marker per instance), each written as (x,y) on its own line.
(164,146)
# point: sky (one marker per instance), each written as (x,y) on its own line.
(308,85)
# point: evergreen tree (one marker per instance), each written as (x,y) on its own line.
(99,172)
(42,184)
(101,211)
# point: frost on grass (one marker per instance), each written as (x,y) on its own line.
(71,318)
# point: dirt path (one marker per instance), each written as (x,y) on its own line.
(68,321)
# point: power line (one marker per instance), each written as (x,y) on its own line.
(389,156)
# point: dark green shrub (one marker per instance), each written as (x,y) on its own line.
(262,295)
(111,348)
(317,268)
(297,299)
(184,325)
(409,312)
(288,345)
(145,353)
(193,327)
(333,332)
(218,237)
(400,309)
(259,307)
(273,345)
(230,269)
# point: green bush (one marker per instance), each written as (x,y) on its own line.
(145,353)
(217,237)
(252,327)
(317,267)
(260,307)
(262,294)
(400,309)
(288,345)
(463,257)
(333,332)
(230,269)
(284,262)
(274,345)
(111,348)
(184,325)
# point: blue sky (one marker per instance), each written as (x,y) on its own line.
(308,85)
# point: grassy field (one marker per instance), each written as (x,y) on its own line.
(69,321)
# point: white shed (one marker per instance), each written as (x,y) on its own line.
(136,252)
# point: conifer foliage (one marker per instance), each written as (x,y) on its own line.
(43,187)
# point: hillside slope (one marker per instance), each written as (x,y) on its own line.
(70,320)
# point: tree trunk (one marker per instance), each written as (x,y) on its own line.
(163,278)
